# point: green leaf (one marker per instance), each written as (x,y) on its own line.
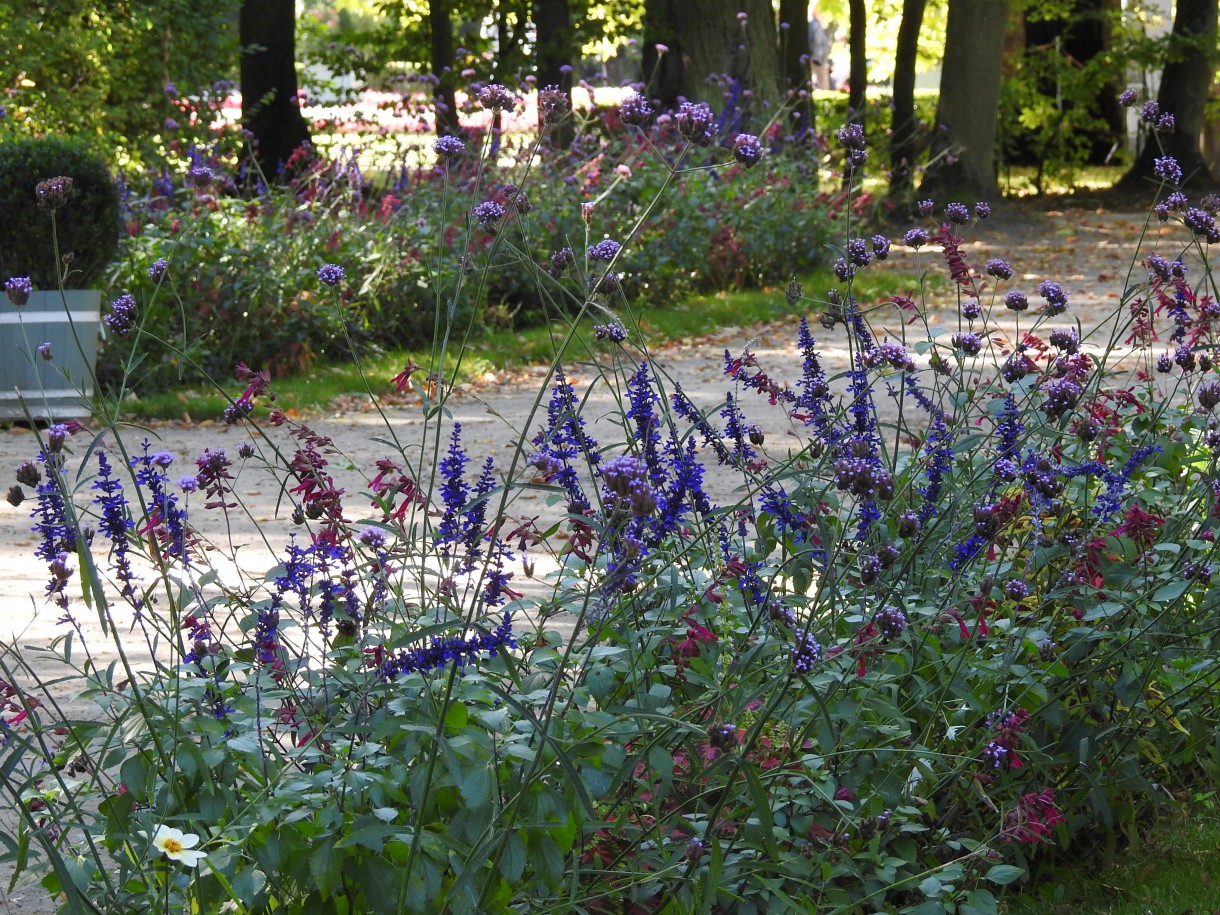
(249,883)
(931,887)
(762,808)
(476,786)
(324,866)
(512,860)
(1170,592)
(1004,874)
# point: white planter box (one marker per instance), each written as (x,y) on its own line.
(62,388)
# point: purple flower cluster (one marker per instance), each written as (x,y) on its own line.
(696,123)
(331,274)
(18,289)
(957,213)
(53,193)
(1055,296)
(626,488)
(448,148)
(1202,224)
(1016,300)
(158,270)
(605,250)
(553,105)
(851,138)
(998,268)
(496,97)
(489,215)
(116,524)
(635,111)
(122,317)
(612,332)
(747,150)
(441,652)
(806,653)
(1167,169)
(890,622)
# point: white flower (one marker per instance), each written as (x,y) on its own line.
(177,845)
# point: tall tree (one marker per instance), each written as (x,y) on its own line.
(555,44)
(963,147)
(712,38)
(270,111)
(1185,82)
(794,58)
(902,136)
(441,51)
(857,45)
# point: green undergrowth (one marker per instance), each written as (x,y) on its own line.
(493,353)
(1173,869)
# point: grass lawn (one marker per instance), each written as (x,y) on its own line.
(1173,870)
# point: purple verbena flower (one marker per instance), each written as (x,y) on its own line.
(53,193)
(696,122)
(999,268)
(635,110)
(1016,300)
(1167,169)
(605,250)
(122,317)
(495,97)
(613,332)
(957,213)
(448,148)
(489,215)
(747,150)
(806,653)
(915,238)
(18,289)
(1056,297)
(331,274)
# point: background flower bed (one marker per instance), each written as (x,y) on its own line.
(396,232)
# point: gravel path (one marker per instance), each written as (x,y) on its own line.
(1088,252)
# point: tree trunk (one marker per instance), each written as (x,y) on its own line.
(1185,82)
(794,61)
(705,38)
(902,136)
(267,31)
(555,45)
(857,73)
(963,149)
(440,35)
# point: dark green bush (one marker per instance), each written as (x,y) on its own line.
(87,226)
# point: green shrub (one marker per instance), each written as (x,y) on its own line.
(87,227)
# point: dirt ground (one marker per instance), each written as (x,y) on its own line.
(1088,252)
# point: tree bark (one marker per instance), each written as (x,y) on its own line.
(963,148)
(902,136)
(440,40)
(267,31)
(857,72)
(555,45)
(1185,83)
(794,61)
(715,57)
